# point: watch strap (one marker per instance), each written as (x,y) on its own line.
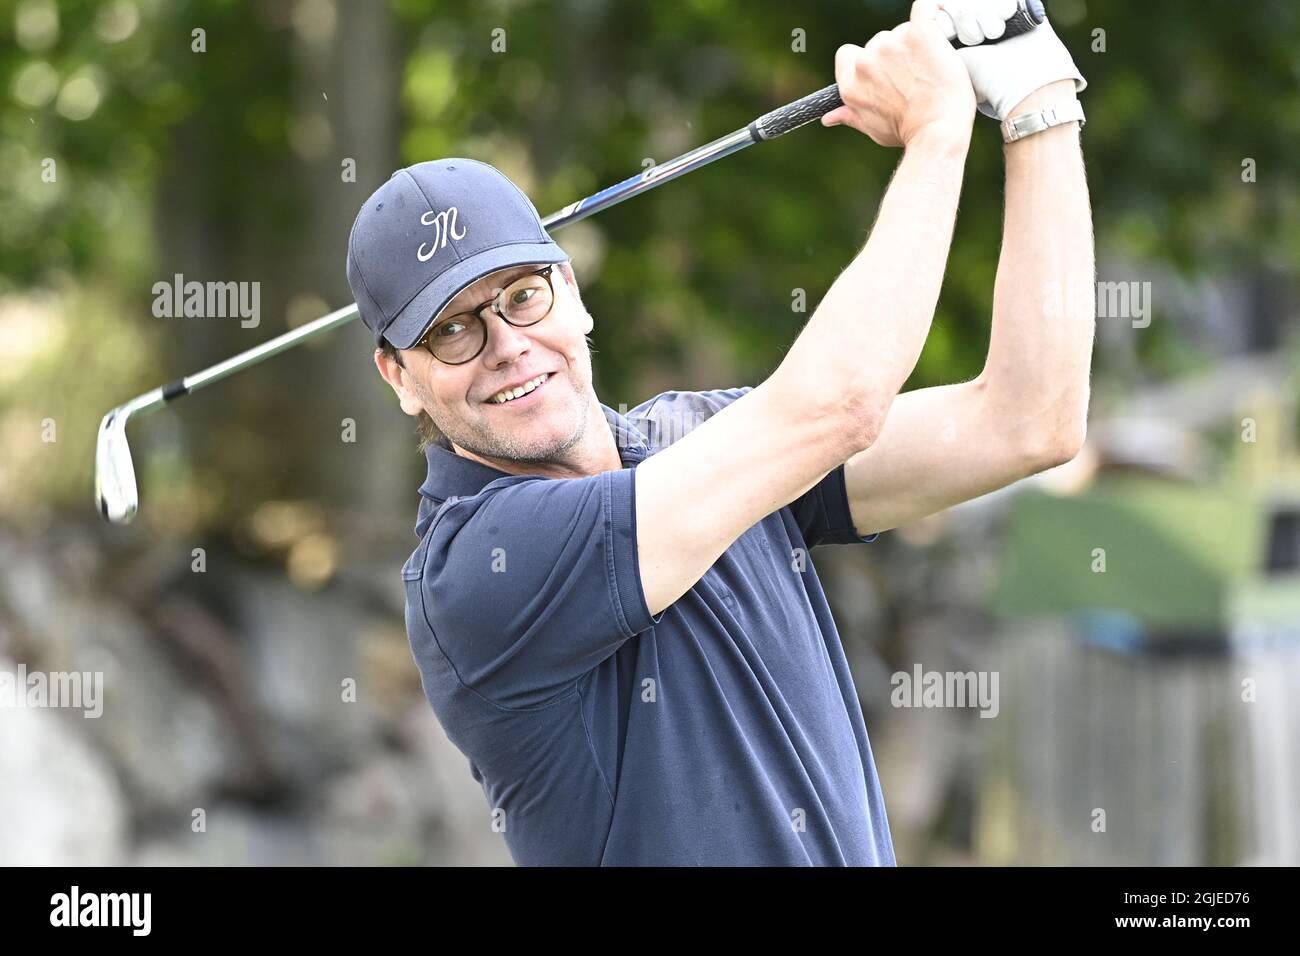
(1027,124)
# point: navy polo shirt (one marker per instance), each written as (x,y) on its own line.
(724,731)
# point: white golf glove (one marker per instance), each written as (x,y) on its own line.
(1003,74)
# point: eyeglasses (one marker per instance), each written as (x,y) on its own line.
(460,338)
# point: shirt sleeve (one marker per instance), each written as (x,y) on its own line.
(531,583)
(823,515)
(822,512)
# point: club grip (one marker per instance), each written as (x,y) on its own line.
(783,119)
(801,112)
(1029,14)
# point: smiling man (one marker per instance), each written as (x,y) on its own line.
(614,616)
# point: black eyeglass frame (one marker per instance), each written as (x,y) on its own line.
(545,272)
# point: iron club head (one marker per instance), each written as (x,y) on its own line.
(115,490)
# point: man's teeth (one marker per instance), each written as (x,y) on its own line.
(523,389)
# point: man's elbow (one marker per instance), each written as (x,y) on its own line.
(1059,445)
(864,416)
(853,416)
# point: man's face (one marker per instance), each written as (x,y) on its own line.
(537,427)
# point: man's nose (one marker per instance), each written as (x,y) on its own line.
(505,342)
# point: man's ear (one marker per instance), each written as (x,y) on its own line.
(570,280)
(396,377)
(566,270)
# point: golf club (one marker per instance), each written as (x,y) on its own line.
(115,487)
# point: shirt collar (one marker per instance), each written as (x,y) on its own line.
(453,476)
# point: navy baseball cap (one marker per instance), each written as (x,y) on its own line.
(432,230)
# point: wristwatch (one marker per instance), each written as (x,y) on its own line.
(1027,124)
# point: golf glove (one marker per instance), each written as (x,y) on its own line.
(1003,74)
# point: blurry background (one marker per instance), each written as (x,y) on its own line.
(1139,606)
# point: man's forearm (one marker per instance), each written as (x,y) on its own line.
(1044,299)
(866,335)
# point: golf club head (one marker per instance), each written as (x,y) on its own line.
(115,491)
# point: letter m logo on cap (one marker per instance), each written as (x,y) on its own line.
(444,228)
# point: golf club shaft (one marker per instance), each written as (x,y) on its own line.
(574,212)
(778,122)
(115,487)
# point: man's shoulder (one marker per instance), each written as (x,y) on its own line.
(457,516)
(672,414)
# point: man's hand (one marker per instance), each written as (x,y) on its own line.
(1006,73)
(903,83)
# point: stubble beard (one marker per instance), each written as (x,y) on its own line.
(522,443)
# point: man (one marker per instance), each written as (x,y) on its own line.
(613,615)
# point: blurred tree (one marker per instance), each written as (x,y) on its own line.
(225,164)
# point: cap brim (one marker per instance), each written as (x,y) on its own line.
(418,315)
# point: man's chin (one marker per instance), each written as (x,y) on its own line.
(542,439)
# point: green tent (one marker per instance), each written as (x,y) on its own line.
(1174,555)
